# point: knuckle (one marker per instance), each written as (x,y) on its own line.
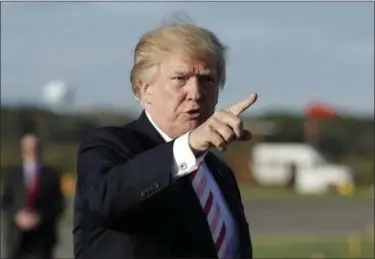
(215,142)
(228,134)
(218,141)
(211,128)
(213,121)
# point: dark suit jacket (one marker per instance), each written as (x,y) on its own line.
(128,206)
(49,202)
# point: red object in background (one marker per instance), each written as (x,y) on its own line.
(319,110)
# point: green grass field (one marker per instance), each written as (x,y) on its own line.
(251,192)
(285,246)
(355,246)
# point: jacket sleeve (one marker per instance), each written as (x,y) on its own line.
(114,181)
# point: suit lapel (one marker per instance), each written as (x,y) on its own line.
(41,182)
(226,185)
(190,203)
(198,220)
(21,185)
(226,182)
(143,125)
(185,201)
(193,216)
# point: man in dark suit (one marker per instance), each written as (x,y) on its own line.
(152,189)
(32,201)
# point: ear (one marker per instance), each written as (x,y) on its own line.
(145,91)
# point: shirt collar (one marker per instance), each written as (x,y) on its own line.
(30,166)
(163,134)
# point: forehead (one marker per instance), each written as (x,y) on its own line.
(182,64)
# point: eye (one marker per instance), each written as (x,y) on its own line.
(178,81)
(206,79)
(178,78)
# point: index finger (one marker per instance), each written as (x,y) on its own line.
(240,107)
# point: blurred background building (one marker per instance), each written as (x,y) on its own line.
(307,178)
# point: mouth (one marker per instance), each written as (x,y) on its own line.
(193,113)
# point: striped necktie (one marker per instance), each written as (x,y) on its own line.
(32,189)
(212,210)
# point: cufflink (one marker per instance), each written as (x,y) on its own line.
(183,166)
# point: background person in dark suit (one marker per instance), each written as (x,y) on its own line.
(152,189)
(32,201)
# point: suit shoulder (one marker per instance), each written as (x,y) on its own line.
(115,137)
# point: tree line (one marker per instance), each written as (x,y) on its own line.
(346,139)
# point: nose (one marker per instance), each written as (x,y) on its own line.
(194,89)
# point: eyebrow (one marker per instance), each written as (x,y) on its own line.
(202,72)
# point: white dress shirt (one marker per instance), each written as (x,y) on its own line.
(185,163)
(29,171)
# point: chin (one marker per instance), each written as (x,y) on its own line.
(191,123)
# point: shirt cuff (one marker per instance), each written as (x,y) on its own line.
(185,161)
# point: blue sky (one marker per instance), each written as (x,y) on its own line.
(289,53)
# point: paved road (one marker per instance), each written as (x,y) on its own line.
(310,217)
(276,217)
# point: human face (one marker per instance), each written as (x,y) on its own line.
(182,96)
(30,148)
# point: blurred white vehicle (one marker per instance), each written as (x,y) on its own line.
(299,165)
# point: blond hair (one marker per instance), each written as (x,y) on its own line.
(196,42)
